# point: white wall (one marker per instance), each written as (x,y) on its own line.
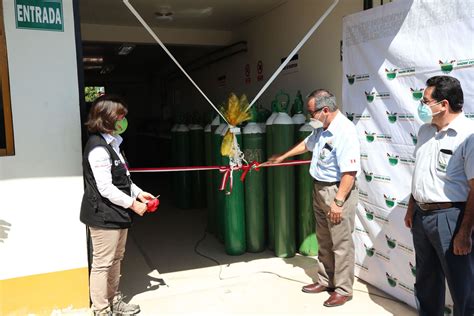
(270,38)
(41,185)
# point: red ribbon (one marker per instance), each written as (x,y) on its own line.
(225,170)
(246,168)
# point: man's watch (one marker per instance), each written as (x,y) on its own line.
(338,202)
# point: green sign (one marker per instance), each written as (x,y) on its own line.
(39,15)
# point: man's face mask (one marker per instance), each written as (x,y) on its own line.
(425,113)
(121,126)
(316,123)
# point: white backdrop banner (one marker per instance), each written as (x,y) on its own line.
(389,53)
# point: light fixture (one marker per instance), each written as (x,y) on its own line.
(92,60)
(125,49)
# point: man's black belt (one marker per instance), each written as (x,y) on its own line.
(327,183)
(439,205)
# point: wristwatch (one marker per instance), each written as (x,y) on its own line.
(338,202)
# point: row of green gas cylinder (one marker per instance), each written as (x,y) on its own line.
(272,207)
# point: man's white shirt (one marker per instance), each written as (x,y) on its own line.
(335,150)
(444,162)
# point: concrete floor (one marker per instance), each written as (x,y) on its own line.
(164,273)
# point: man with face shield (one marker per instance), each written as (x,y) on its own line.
(440,213)
(334,165)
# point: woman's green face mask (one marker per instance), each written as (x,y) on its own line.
(121,126)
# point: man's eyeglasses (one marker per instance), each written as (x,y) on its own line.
(427,103)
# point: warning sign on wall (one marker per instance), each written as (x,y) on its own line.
(291,67)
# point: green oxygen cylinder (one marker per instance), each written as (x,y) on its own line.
(284,184)
(298,117)
(210,185)
(219,195)
(183,159)
(270,152)
(174,162)
(254,150)
(211,216)
(234,215)
(307,242)
(196,137)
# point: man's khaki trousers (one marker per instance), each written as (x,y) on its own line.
(108,250)
(336,247)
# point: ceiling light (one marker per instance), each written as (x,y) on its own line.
(125,49)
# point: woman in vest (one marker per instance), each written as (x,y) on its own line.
(110,199)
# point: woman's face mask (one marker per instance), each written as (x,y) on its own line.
(424,111)
(121,126)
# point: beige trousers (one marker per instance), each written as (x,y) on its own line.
(336,247)
(108,249)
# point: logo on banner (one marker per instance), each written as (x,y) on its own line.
(371,96)
(370,215)
(414,139)
(390,201)
(369,176)
(370,251)
(394,159)
(417,94)
(412,268)
(392,281)
(352,78)
(354,116)
(469,115)
(392,117)
(392,73)
(371,137)
(391,242)
(447,66)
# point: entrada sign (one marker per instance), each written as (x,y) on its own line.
(39,15)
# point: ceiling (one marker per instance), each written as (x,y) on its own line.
(197,14)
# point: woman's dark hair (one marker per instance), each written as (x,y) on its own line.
(447,88)
(104,112)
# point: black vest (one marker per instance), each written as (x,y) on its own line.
(96,210)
